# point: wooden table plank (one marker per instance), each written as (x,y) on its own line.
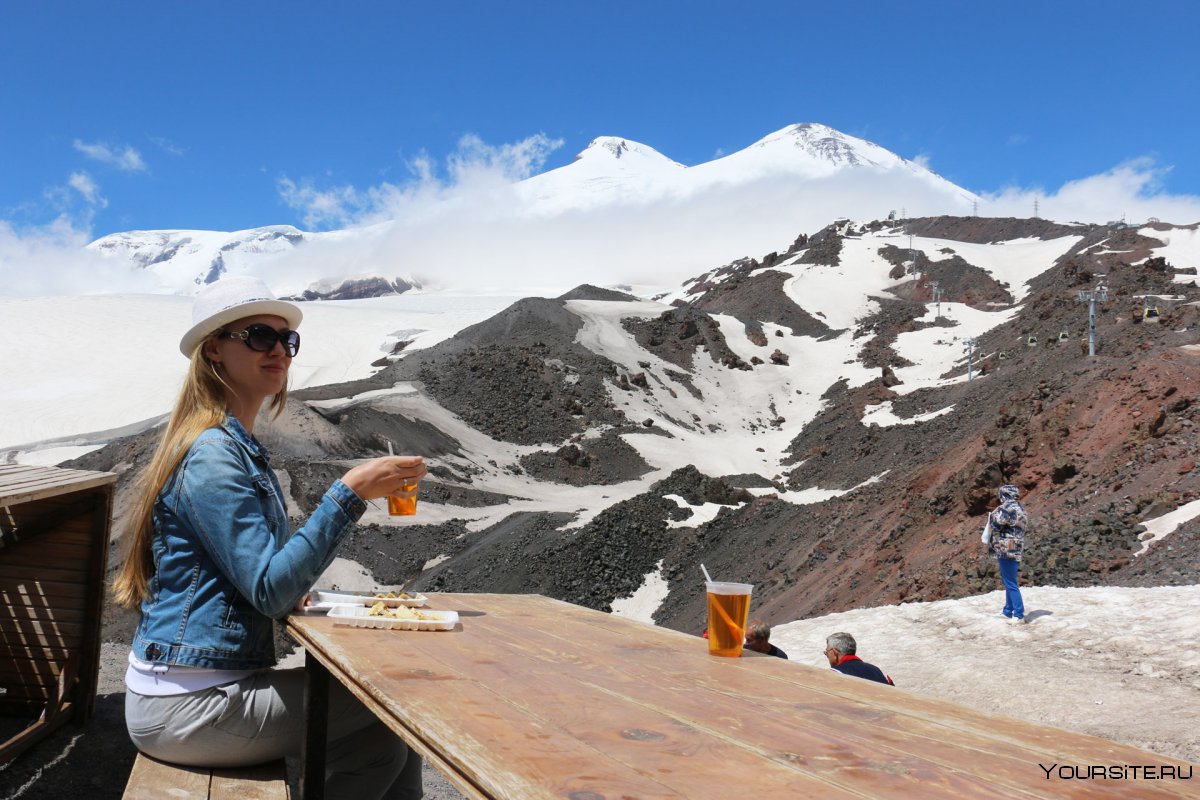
(536,698)
(486,737)
(690,683)
(874,703)
(863,702)
(680,714)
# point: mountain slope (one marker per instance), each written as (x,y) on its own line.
(803,422)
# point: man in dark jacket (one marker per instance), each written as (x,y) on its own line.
(758,638)
(840,649)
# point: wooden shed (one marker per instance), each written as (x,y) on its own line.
(54,532)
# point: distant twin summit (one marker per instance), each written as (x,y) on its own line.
(798,178)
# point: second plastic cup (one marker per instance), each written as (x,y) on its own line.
(728,612)
(404,503)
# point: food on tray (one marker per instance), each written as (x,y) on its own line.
(368,597)
(399,612)
(383,617)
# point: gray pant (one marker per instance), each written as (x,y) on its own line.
(261,718)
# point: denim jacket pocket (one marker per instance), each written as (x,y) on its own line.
(239,614)
(272,503)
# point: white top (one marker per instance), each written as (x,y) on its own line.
(157,680)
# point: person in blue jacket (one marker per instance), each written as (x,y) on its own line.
(1008,522)
(212,561)
(841,651)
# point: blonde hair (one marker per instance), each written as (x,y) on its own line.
(201,405)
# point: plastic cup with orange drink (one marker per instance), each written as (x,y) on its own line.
(404,502)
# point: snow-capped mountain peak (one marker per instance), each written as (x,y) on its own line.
(825,143)
(183,258)
(811,150)
(752,200)
(609,149)
(610,169)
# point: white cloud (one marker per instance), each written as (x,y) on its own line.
(1017,139)
(126,160)
(53,260)
(468,223)
(88,188)
(479,230)
(322,208)
(1133,190)
(167,146)
(514,162)
(475,168)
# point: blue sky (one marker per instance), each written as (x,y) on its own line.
(223,115)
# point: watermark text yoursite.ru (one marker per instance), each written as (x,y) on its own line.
(1129,772)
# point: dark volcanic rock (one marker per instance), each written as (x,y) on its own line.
(588,292)
(893,318)
(533,320)
(677,334)
(757,298)
(358,289)
(593,565)
(518,376)
(824,247)
(983,230)
(524,394)
(367,431)
(395,556)
(1171,561)
(606,460)
(958,280)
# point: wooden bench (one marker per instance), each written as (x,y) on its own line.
(153,780)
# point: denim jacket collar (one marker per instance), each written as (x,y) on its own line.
(234,427)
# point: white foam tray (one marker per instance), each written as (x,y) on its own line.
(326,598)
(359,617)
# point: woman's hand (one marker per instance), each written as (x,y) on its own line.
(380,477)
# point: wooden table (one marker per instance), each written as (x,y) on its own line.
(535,698)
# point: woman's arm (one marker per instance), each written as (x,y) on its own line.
(227,509)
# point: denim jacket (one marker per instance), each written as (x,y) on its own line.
(225,560)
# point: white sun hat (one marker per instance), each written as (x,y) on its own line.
(229,299)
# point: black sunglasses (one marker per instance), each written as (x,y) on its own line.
(263,338)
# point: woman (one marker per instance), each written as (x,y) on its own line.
(212,562)
(1008,523)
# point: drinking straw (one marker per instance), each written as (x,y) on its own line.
(720,610)
(725,616)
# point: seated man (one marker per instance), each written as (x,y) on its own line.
(757,635)
(840,649)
